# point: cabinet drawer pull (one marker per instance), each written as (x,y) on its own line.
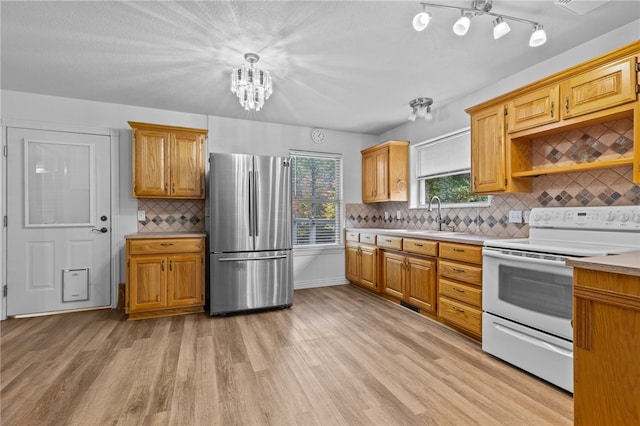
(162,265)
(389,241)
(166,244)
(417,244)
(458,289)
(566,105)
(456,309)
(459,250)
(171,265)
(457,269)
(552,109)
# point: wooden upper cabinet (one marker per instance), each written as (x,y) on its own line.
(385,172)
(603,87)
(150,163)
(488,167)
(168,162)
(534,109)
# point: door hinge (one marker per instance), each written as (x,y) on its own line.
(637,91)
(4,291)
(637,66)
(505,181)
(506,111)
(5,221)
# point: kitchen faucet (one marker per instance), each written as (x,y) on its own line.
(439,216)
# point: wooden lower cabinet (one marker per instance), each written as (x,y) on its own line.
(460,287)
(164,277)
(606,355)
(362,265)
(411,279)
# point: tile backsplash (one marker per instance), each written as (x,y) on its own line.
(169,215)
(605,187)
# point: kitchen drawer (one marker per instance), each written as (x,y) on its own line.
(460,271)
(386,241)
(427,248)
(353,236)
(161,245)
(461,252)
(461,315)
(368,238)
(462,292)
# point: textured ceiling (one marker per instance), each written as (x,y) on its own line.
(341,65)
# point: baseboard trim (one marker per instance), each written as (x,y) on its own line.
(325,282)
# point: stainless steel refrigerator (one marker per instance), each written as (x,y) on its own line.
(251,263)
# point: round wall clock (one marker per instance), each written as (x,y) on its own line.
(317,135)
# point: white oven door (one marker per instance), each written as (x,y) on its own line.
(529,288)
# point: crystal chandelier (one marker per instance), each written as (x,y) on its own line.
(252,85)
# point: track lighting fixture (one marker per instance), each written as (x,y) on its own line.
(481,7)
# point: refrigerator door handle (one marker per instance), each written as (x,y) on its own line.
(251,206)
(240,259)
(255,204)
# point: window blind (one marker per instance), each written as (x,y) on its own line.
(316,198)
(444,156)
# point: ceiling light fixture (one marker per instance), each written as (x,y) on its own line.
(251,84)
(421,107)
(481,7)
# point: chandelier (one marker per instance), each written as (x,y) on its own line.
(478,8)
(421,107)
(252,85)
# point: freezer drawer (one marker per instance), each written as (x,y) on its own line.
(249,281)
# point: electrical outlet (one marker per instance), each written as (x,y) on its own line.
(398,215)
(515,216)
(526,215)
(141,216)
(386,215)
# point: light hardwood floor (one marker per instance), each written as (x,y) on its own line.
(339,356)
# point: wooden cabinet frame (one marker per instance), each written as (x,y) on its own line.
(165,276)
(167,161)
(600,90)
(385,172)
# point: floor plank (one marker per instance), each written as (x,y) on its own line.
(338,356)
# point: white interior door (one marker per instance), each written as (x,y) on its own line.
(58,214)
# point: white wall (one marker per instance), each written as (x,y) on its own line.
(451,117)
(225,135)
(312,267)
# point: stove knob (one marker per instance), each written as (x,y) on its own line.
(536,218)
(623,217)
(545,217)
(636,218)
(610,217)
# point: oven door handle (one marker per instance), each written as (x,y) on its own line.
(533,341)
(524,259)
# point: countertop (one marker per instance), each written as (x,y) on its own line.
(447,236)
(626,263)
(139,235)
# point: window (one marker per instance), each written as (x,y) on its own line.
(442,167)
(316,198)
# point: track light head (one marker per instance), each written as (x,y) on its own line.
(500,28)
(462,25)
(538,36)
(421,21)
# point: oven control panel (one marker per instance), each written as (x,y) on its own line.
(606,218)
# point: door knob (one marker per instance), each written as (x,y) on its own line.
(102,230)
(103,218)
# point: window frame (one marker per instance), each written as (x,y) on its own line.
(340,210)
(417,188)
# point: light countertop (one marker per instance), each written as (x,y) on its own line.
(138,235)
(626,263)
(447,236)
